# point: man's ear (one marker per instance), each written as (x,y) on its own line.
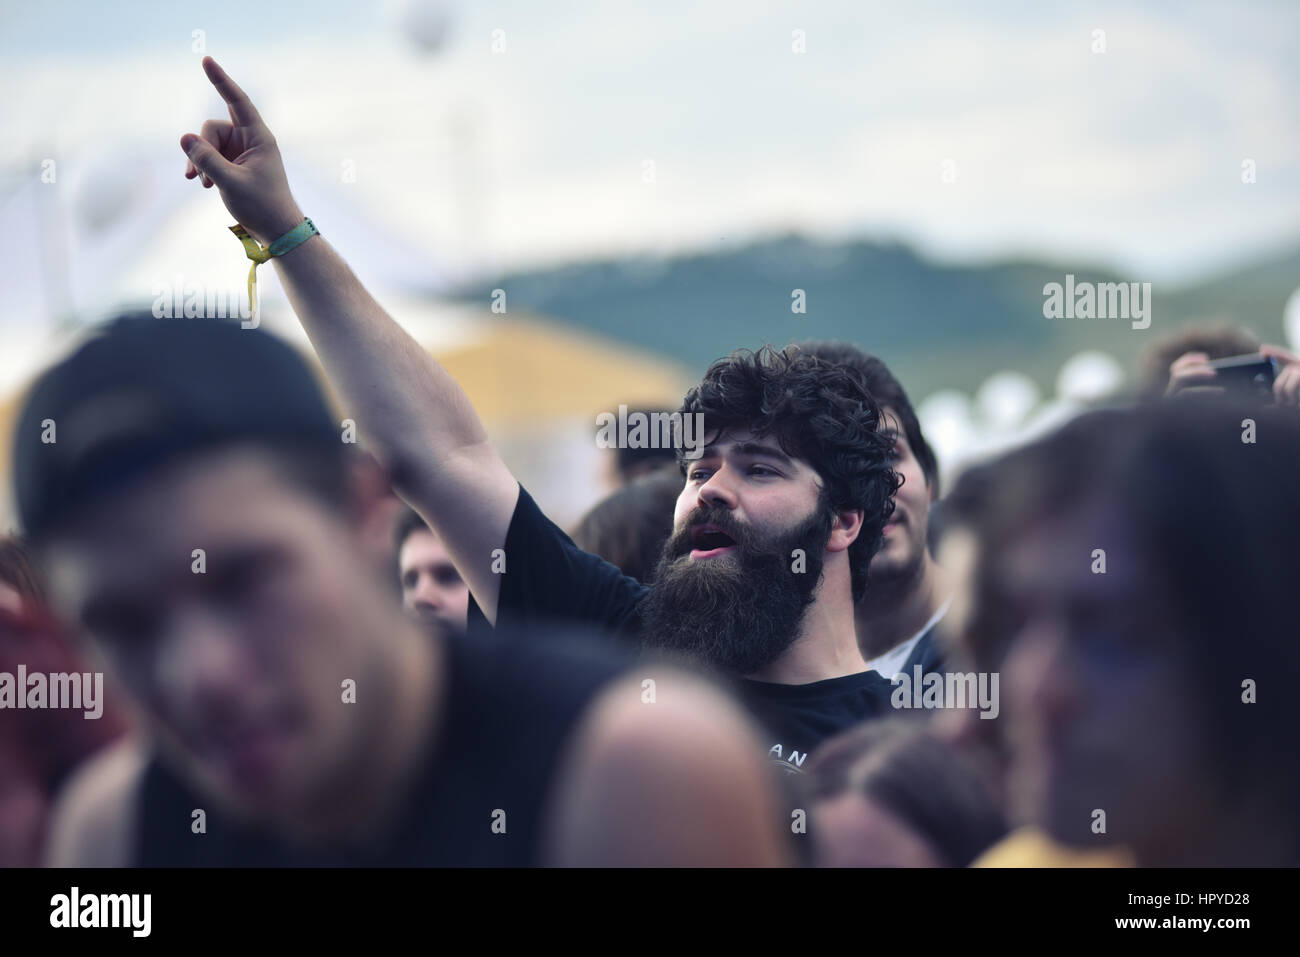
(368,486)
(845,529)
(372,506)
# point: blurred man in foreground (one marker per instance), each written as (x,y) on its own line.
(201,526)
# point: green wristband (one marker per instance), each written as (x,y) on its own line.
(294,237)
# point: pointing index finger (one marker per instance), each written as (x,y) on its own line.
(242,110)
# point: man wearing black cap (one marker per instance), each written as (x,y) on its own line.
(185,485)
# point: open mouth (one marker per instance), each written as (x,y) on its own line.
(709,540)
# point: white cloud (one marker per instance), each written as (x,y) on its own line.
(536,155)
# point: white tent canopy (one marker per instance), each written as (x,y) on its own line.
(121,228)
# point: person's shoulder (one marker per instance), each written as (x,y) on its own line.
(665,770)
(95,819)
(549,577)
(528,512)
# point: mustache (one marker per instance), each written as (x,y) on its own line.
(680,542)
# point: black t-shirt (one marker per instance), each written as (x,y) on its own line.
(509,712)
(549,578)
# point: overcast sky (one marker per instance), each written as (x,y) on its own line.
(541,152)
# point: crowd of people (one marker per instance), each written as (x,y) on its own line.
(785,650)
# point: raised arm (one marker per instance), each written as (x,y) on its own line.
(412,413)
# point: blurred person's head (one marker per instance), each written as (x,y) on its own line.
(786,504)
(991,506)
(432,588)
(890,794)
(1153,602)
(198,518)
(30,638)
(1216,340)
(39,747)
(634,461)
(628,528)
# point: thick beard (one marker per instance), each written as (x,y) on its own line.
(734,614)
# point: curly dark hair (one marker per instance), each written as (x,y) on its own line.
(886,390)
(820,412)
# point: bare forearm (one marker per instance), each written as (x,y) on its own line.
(405,401)
(411,412)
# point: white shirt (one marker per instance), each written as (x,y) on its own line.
(891,661)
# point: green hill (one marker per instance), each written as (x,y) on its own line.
(937,324)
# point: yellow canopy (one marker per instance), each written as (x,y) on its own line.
(517,370)
(529,369)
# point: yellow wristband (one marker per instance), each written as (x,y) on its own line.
(260,254)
